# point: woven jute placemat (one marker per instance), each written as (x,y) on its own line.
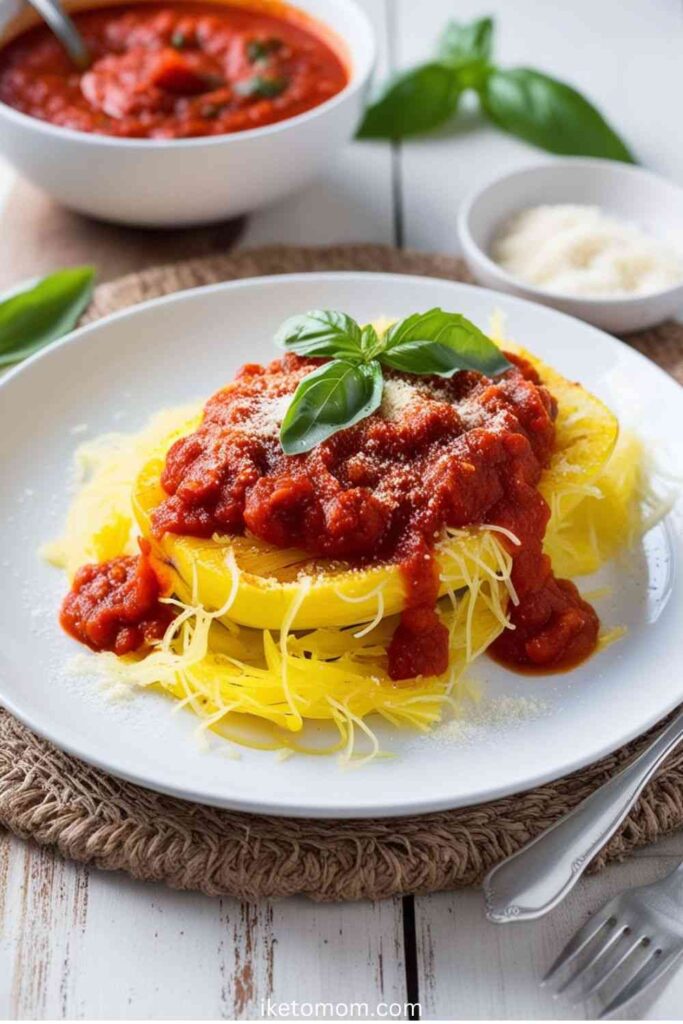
(58,801)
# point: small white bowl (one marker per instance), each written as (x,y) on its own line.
(177,182)
(626,192)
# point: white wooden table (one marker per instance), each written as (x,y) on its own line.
(79,943)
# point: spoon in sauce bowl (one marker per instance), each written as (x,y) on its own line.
(52,12)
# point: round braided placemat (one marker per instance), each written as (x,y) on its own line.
(57,800)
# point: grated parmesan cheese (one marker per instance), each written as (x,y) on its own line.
(580,250)
(485,714)
(265,419)
(397,396)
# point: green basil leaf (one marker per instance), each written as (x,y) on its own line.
(39,314)
(441,343)
(321,332)
(413,101)
(334,396)
(423,357)
(549,114)
(259,50)
(178,40)
(260,86)
(468,42)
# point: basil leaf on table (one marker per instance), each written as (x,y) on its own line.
(549,114)
(441,343)
(526,103)
(413,101)
(336,395)
(462,43)
(43,312)
(320,332)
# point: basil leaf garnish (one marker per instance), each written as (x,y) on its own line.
(464,43)
(320,332)
(441,343)
(178,40)
(413,101)
(549,114)
(258,50)
(336,395)
(261,86)
(349,388)
(43,312)
(423,357)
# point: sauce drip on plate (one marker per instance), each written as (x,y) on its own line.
(114,605)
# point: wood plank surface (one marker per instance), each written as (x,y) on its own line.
(77,943)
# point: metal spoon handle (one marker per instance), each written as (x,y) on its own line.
(536,878)
(65,30)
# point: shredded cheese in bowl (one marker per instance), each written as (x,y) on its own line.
(581,250)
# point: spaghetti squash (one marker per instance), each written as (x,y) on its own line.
(270,592)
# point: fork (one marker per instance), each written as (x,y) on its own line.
(538,876)
(633,940)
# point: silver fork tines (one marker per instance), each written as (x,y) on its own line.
(625,947)
(578,942)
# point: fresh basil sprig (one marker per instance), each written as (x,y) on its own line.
(533,106)
(43,312)
(349,387)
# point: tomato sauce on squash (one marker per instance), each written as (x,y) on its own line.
(455,452)
(174,70)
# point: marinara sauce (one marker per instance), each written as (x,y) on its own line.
(114,605)
(174,70)
(464,451)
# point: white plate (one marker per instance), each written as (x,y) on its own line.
(111,375)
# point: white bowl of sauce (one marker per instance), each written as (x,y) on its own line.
(191,112)
(597,239)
